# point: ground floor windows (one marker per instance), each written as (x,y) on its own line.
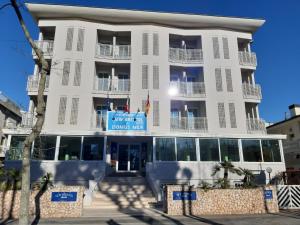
(165,149)
(44,148)
(209,149)
(16,147)
(229,150)
(93,148)
(186,149)
(69,148)
(271,150)
(251,150)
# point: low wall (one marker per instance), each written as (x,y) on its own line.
(10,202)
(219,201)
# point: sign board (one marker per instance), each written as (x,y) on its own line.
(123,121)
(63,196)
(184,195)
(268,194)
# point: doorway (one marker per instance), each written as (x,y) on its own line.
(129,157)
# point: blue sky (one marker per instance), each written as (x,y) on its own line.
(276,44)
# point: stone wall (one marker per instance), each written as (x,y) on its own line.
(221,201)
(10,201)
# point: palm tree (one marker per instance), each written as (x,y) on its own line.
(248,177)
(227,166)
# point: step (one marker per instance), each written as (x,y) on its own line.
(124,191)
(121,201)
(122,186)
(121,198)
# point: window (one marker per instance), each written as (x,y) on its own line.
(218,76)
(62,110)
(44,148)
(221,112)
(271,150)
(69,40)
(251,150)
(144,76)
(77,76)
(232,115)
(145,44)
(186,149)
(74,111)
(69,148)
(165,149)
(155,113)
(216,47)
(66,73)
(209,150)
(80,40)
(16,148)
(229,150)
(93,148)
(155,77)
(155,44)
(225,48)
(229,80)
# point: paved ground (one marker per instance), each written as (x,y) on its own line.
(152,217)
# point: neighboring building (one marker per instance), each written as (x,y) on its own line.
(291,146)
(199,74)
(10,116)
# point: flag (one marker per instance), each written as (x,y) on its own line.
(108,103)
(126,108)
(147,106)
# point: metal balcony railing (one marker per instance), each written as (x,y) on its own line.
(33,83)
(107,51)
(247,58)
(106,84)
(189,89)
(28,120)
(190,124)
(46,46)
(255,125)
(180,55)
(251,91)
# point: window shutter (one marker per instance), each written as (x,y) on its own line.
(225,48)
(155,77)
(232,115)
(155,113)
(155,44)
(77,77)
(218,75)
(66,73)
(216,47)
(69,41)
(144,76)
(80,40)
(62,110)
(145,44)
(74,111)
(221,112)
(229,80)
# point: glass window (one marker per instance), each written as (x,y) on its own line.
(271,150)
(251,151)
(186,149)
(165,149)
(16,148)
(69,148)
(229,150)
(209,150)
(44,148)
(93,148)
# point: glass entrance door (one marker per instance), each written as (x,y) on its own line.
(129,157)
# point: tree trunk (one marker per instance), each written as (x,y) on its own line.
(36,130)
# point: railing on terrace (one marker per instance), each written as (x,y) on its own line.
(113,51)
(105,85)
(33,83)
(247,58)
(28,120)
(251,91)
(256,126)
(180,55)
(189,89)
(192,124)
(46,46)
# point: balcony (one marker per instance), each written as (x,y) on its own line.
(115,86)
(188,89)
(255,125)
(117,52)
(247,58)
(251,91)
(185,56)
(33,83)
(46,46)
(28,120)
(189,124)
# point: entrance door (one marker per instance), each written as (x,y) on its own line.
(129,157)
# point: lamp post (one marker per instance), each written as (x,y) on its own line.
(269,171)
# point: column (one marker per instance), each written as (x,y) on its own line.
(57,148)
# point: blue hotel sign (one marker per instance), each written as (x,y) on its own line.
(184,195)
(268,194)
(122,121)
(63,196)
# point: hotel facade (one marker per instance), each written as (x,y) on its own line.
(196,72)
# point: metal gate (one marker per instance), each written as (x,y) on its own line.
(288,196)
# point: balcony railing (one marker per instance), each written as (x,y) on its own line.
(33,83)
(189,89)
(247,58)
(180,55)
(28,120)
(256,126)
(191,124)
(46,46)
(109,85)
(113,51)
(251,91)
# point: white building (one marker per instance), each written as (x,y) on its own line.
(199,72)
